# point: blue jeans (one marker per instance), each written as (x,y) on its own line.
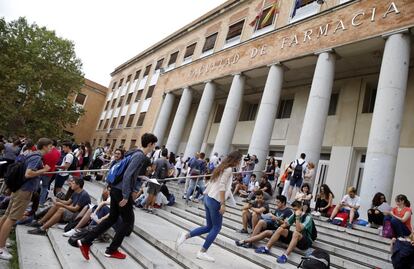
(214,222)
(399,228)
(44,189)
(192,185)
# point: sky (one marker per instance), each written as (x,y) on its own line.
(108,33)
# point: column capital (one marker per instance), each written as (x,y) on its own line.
(398,31)
(208,81)
(329,50)
(237,73)
(278,64)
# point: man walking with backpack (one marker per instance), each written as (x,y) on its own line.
(31,168)
(296,179)
(121,202)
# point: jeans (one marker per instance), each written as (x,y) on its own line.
(44,189)
(399,228)
(192,186)
(214,222)
(125,227)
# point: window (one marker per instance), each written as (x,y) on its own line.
(260,24)
(333,104)
(113,144)
(132,144)
(130,120)
(114,85)
(80,99)
(173,58)
(121,122)
(141,119)
(106,142)
(120,83)
(306,2)
(210,42)
(137,74)
(129,98)
(122,145)
(369,100)
(113,123)
(138,96)
(159,64)
(189,51)
(219,113)
(305,9)
(99,141)
(147,70)
(107,105)
(113,103)
(150,92)
(285,109)
(100,124)
(248,112)
(106,124)
(128,78)
(121,99)
(235,31)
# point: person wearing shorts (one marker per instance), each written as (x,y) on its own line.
(66,163)
(252,211)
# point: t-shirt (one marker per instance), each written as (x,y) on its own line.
(33,163)
(351,201)
(401,214)
(306,222)
(268,187)
(67,159)
(82,199)
(304,166)
(252,185)
(283,213)
(11,152)
(161,168)
(256,204)
(51,158)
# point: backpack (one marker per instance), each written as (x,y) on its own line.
(340,219)
(74,165)
(314,232)
(116,173)
(319,259)
(298,172)
(15,174)
(162,172)
(387,230)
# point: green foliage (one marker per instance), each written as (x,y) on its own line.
(38,73)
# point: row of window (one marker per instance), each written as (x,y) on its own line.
(111,103)
(132,143)
(140,121)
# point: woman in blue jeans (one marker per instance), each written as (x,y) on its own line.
(217,191)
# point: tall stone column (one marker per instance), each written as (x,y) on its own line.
(201,119)
(313,128)
(180,119)
(164,117)
(230,116)
(263,128)
(384,135)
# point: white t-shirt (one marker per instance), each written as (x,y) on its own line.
(304,166)
(252,185)
(215,160)
(178,163)
(351,201)
(67,159)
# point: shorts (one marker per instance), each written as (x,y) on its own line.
(271,225)
(138,185)
(344,210)
(303,243)
(69,215)
(296,182)
(153,188)
(60,180)
(19,201)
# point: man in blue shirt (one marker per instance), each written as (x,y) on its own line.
(20,199)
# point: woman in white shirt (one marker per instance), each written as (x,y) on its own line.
(217,191)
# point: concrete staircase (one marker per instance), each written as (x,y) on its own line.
(151,245)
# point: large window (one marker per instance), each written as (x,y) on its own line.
(150,91)
(141,119)
(80,99)
(121,122)
(189,51)
(106,124)
(159,64)
(173,58)
(210,42)
(235,31)
(129,98)
(333,104)
(130,120)
(269,20)
(113,123)
(303,9)
(113,103)
(120,83)
(138,96)
(147,70)
(285,109)
(121,99)
(369,100)
(137,74)
(114,85)
(249,112)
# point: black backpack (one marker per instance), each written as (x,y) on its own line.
(297,173)
(15,174)
(74,163)
(319,259)
(162,172)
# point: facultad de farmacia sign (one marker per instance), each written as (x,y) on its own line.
(328,30)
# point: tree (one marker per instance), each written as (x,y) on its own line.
(39,76)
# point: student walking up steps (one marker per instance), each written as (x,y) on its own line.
(218,190)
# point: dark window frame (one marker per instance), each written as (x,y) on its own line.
(189,50)
(173,58)
(285,108)
(235,30)
(210,42)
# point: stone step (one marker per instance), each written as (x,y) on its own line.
(70,257)
(35,252)
(98,251)
(342,248)
(163,234)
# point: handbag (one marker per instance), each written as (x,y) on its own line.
(387,230)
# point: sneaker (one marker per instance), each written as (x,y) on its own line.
(116,255)
(329,220)
(37,231)
(349,225)
(35,224)
(243,231)
(5,254)
(282,259)
(239,243)
(317,213)
(84,248)
(247,245)
(205,257)
(180,240)
(70,233)
(61,226)
(262,250)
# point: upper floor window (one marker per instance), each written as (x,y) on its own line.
(121,99)
(333,103)
(285,109)
(137,74)
(189,51)
(173,58)
(114,85)
(120,83)
(80,99)
(234,33)
(150,91)
(159,64)
(128,78)
(267,18)
(113,103)
(107,105)
(209,43)
(138,96)
(303,9)
(141,119)
(129,98)
(249,112)
(147,70)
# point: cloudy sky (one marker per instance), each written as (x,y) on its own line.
(108,33)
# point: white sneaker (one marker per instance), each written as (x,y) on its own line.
(180,240)
(70,233)
(5,255)
(317,214)
(61,226)
(205,257)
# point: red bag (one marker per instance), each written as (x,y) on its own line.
(341,219)
(330,210)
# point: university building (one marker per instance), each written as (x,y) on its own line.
(333,79)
